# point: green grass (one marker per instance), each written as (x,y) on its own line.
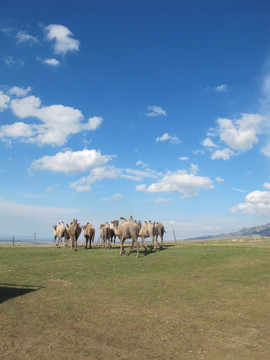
(189,301)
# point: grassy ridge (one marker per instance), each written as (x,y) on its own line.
(189,301)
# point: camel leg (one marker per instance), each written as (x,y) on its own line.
(138,247)
(157,241)
(161,238)
(122,251)
(132,244)
(154,242)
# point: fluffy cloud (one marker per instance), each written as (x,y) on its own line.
(111,172)
(19,91)
(180,182)
(166,136)
(51,62)
(218,88)
(71,162)
(57,121)
(62,37)
(221,88)
(240,135)
(219,179)
(224,154)
(116,196)
(4,100)
(207,142)
(154,111)
(10,61)
(16,130)
(256,202)
(24,37)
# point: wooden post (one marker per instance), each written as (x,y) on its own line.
(174,236)
(13,241)
(35,238)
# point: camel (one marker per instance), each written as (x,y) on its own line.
(113,230)
(128,230)
(147,230)
(159,230)
(66,237)
(74,231)
(89,234)
(59,231)
(54,234)
(105,235)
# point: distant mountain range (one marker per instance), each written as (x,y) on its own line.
(263,230)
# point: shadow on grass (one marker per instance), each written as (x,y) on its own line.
(150,251)
(10,291)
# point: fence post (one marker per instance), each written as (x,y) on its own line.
(174,236)
(35,238)
(13,241)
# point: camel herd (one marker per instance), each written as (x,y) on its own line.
(127,229)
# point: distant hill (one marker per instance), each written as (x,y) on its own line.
(262,230)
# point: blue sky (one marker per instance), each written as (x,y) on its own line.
(156,109)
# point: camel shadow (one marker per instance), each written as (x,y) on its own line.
(150,251)
(10,291)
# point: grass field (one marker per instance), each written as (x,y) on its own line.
(192,300)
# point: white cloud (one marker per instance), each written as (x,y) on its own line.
(57,121)
(256,202)
(238,190)
(52,187)
(179,181)
(221,88)
(209,143)
(19,91)
(242,134)
(117,196)
(238,135)
(219,179)
(194,169)
(96,174)
(141,163)
(19,129)
(166,136)
(218,88)
(24,37)
(62,37)
(111,172)
(183,158)
(154,111)
(51,62)
(224,154)
(266,185)
(10,61)
(71,162)
(4,100)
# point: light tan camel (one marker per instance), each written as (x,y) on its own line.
(128,230)
(159,230)
(105,235)
(89,234)
(147,230)
(59,231)
(74,231)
